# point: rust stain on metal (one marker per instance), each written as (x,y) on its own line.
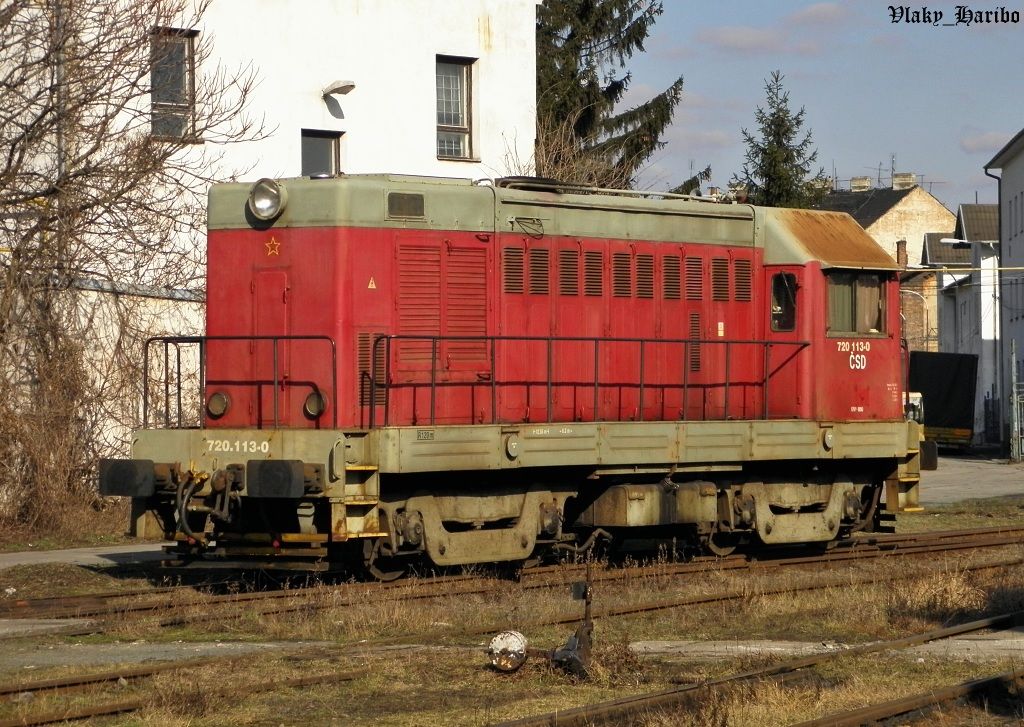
(835,239)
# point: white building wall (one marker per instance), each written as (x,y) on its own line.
(1011,235)
(119,322)
(972,304)
(986,297)
(388,49)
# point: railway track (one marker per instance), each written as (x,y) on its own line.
(181,605)
(352,594)
(67,685)
(1009,681)
(988,538)
(615,711)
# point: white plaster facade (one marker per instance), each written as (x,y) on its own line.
(388,50)
(387,121)
(970,312)
(1009,163)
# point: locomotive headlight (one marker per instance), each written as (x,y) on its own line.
(218,404)
(267,199)
(314,405)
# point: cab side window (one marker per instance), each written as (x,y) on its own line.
(856,303)
(783,302)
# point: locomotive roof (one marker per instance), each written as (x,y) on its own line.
(434,203)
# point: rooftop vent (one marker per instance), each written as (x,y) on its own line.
(860,184)
(903,180)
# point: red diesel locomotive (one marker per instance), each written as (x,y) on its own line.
(399,368)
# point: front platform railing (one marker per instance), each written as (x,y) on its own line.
(184,367)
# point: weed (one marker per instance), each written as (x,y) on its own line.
(940,597)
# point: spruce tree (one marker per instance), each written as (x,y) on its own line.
(777,164)
(582,49)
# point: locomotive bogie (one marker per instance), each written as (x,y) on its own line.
(778,512)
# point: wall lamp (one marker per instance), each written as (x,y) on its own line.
(338,88)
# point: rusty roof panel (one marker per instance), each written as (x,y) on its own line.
(834,238)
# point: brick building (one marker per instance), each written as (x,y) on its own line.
(900,219)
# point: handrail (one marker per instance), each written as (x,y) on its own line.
(551,185)
(549,379)
(178,341)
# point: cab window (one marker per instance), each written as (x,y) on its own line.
(783,302)
(856,303)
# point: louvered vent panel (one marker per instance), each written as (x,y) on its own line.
(513,269)
(694,278)
(720,278)
(568,272)
(670,281)
(622,275)
(695,347)
(466,294)
(593,273)
(645,276)
(743,288)
(539,284)
(364,349)
(419,299)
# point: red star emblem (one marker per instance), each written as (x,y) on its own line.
(273,247)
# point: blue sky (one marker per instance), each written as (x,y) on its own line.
(942,99)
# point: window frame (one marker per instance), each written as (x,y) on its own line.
(334,137)
(161,38)
(856,275)
(466,128)
(789,313)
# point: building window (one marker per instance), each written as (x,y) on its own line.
(856,303)
(454,131)
(172,75)
(321,153)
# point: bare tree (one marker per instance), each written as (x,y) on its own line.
(559,155)
(112,123)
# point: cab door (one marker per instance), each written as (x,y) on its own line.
(785,394)
(270,358)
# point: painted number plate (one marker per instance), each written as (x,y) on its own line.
(858,353)
(246,446)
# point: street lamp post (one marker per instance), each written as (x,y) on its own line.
(924,307)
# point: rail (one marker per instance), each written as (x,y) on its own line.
(384,345)
(276,382)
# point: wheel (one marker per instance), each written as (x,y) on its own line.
(384,568)
(719,543)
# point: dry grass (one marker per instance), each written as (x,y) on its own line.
(426,682)
(977,513)
(437,673)
(61,579)
(941,598)
(88,524)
